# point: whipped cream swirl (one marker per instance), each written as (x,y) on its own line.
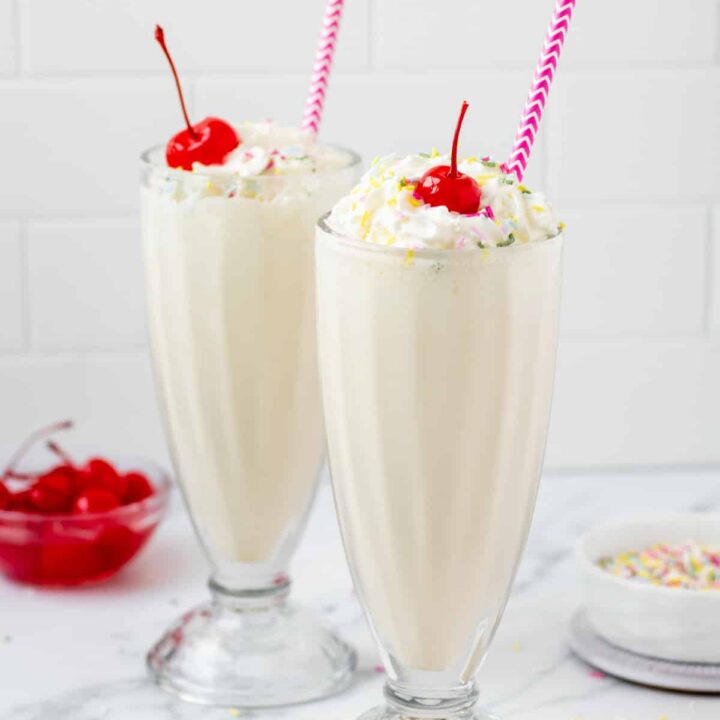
(271,162)
(269,149)
(384,209)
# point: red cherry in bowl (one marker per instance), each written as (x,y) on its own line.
(208,142)
(95,500)
(47,501)
(53,492)
(444,185)
(138,488)
(99,473)
(61,480)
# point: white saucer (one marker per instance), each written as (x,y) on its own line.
(684,676)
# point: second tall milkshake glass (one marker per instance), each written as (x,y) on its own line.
(437,369)
(229,284)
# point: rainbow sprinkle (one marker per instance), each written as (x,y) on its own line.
(689,565)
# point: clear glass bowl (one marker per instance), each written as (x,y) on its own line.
(65,550)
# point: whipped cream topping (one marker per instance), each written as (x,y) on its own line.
(383,208)
(271,161)
(269,149)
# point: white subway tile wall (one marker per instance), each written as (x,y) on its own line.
(212,36)
(110,396)
(645,402)
(12,311)
(714,274)
(644,33)
(70,147)
(85,285)
(606,294)
(645,135)
(629,151)
(410,122)
(7,37)
(458,35)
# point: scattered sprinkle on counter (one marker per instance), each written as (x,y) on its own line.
(690,566)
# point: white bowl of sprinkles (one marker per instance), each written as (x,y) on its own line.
(651,585)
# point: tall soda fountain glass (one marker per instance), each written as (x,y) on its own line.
(229,286)
(437,332)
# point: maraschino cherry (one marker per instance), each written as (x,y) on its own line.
(99,473)
(138,488)
(207,142)
(53,492)
(444,185)
(95,500)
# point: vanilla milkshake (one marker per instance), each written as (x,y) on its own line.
(228,221)
(229,271)
(230,302)
(437,334)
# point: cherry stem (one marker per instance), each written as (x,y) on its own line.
(456,138)
(53,447)
(160,37)
(31,440)
(14,475)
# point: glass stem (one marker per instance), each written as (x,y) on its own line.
(272,597)
(453,704)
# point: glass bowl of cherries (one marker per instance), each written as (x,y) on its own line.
(76,522)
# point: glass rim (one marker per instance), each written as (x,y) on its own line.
(435,253)
(146,161)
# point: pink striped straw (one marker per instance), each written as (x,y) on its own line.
(540,88)
(323,62)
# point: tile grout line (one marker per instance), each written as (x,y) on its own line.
(710,262)
(413,73)
(717,33)
(371,49)
(25,287)
(16,30)
(43,221)
(634,336)
(79,354)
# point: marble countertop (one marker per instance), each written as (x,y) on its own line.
(79,655)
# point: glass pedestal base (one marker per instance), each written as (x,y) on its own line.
(384,712)
(250,650)
(455,704)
